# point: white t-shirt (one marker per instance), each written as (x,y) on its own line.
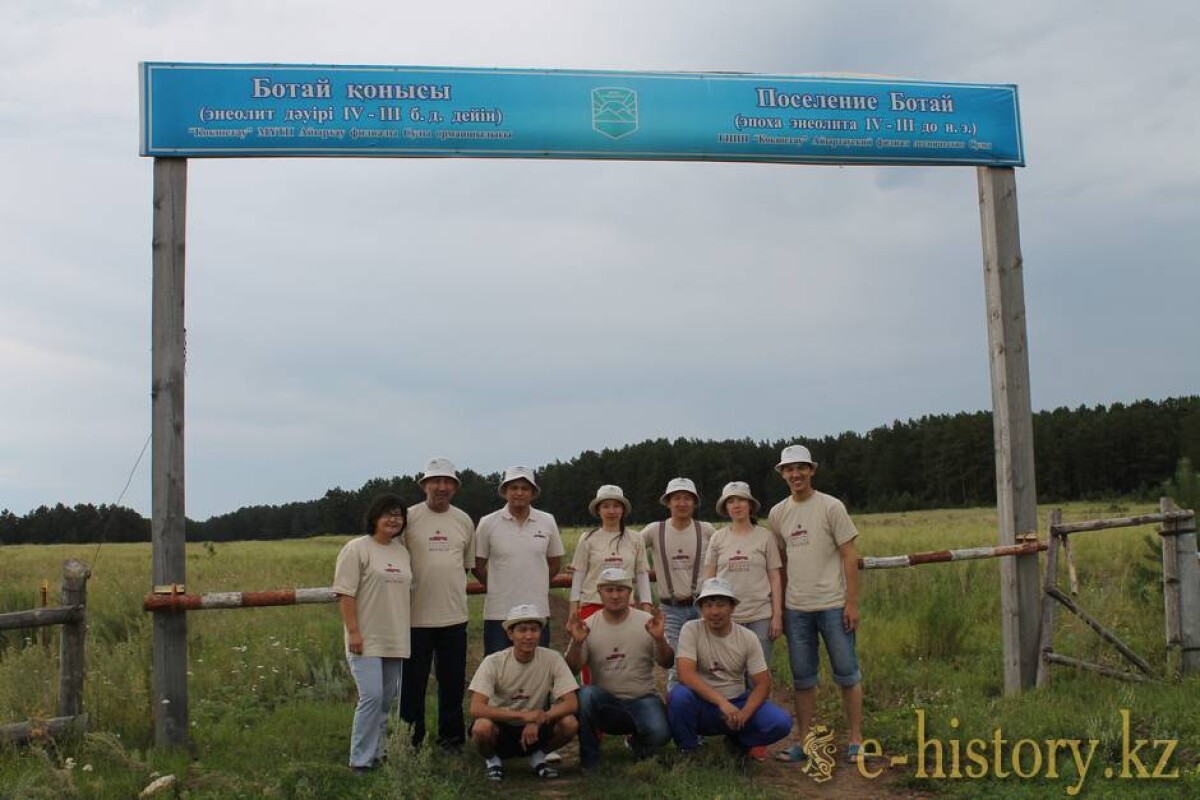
(745,560)
(723,662)
(517,572)
(599,550)
(811,533)
(679,557)
(442,548)
(620,656)
(379,578)
(507,683)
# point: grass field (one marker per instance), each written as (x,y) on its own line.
(271,699)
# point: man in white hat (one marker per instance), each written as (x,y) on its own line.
(677,546)
(518,549)
(714,658)
(523,698)
(620,645)
(821,600)
(441,544)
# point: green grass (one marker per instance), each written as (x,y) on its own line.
(271,700)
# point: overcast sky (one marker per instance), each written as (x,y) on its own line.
(349,318)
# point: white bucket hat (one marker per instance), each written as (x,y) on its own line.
(736,489)
(615,576)
(519,473)
(523,613)
(609,492)
(679,485)
(794,454)
(440,468)
(716,587)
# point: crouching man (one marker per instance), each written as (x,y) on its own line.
(714,657)
(523,699)
(620,646)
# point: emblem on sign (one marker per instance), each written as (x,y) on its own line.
(614,111)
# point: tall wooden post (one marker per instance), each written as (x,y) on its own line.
(1016,487)
(71,656)
(167,495)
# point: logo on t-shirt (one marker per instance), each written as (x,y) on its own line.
(798,538)
(439,541)
(614,561)
(738,562)
(718,669)
(519,695)
(614,661)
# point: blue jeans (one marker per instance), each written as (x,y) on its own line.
(802,629)
(378,682)
(692,716)
(495,638)
(760,628)
(673,619)
(600,712)
(445,650)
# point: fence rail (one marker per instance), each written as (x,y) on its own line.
(171,599)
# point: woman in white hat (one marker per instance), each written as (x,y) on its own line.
(747,555)
(607,547)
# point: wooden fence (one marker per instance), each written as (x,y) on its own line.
(1181,593)
(73,617)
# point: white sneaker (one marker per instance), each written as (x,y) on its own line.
(553,757)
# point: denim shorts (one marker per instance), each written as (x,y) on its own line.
(802,629)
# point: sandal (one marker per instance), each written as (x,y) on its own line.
(544,770)
(495,773)
(793,755)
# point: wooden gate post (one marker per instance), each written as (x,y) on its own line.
(1012,421)
(168,565)
(71,656)
(1179,540)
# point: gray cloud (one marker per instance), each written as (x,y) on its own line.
(349,318)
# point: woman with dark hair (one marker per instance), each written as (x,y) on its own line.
(372,581)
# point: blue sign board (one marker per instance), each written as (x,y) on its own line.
(230,110)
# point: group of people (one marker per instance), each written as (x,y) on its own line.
(723,598)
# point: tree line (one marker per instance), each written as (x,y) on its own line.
(936,461)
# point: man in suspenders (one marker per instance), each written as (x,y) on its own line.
(676,547)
